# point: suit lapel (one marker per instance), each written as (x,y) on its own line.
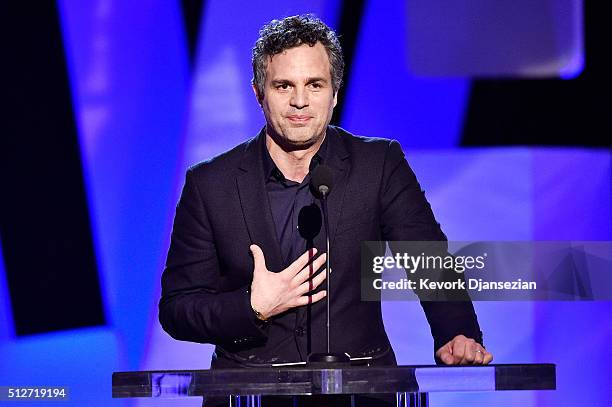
(255,203)
(340,165)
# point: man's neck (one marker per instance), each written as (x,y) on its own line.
(293,164)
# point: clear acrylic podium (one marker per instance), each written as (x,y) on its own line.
(245,387)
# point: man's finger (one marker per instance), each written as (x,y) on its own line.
(458,350)
(308,271)
(446,357)
(295,267)
(469,354)
(311,299)
(488,357)
(258,257)
(311,284)
(479,356)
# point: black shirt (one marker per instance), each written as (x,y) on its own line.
(296,212)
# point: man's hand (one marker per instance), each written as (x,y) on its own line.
(463,351)
(274,293)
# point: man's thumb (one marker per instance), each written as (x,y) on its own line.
(258,257)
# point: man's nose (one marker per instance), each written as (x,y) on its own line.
(299,98)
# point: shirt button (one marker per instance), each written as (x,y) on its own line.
(299,331)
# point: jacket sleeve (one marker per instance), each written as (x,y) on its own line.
(406,215)
(192,308)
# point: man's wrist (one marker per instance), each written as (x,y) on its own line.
(259,315)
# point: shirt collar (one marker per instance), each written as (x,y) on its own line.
(272,171)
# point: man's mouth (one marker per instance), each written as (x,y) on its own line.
(296,118)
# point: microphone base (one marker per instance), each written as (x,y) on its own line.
(328,359)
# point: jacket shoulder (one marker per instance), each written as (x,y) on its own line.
(223,164)
(372,146)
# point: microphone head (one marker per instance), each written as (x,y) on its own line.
(321,181)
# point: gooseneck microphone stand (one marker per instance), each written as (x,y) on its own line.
(323,174)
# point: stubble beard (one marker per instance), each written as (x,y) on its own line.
(289,143)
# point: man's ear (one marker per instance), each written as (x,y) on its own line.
(257,95)
(336,98)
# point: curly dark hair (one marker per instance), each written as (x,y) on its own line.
(280,35)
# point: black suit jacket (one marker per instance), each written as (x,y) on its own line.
(224,209)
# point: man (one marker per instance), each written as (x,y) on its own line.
(247,244)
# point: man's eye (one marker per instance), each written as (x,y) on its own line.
(316,85)
(283,86)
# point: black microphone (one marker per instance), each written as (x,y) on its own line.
(321,185)
(321,181)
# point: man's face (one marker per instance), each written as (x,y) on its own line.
(298,98)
